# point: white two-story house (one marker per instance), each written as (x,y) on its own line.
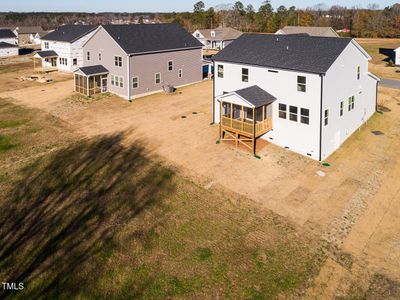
(62,48)
(306,94)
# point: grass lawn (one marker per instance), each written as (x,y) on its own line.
(378,65)
(96,218)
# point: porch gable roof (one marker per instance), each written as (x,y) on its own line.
(92,70)
(45,54)
(252,96)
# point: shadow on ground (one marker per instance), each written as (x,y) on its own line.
(67,208)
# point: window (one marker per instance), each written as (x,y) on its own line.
(121,82)
(88,55)
(116,81)
(305,116)
(170,65)
(46,60)
(75,61)
(282,111)
(220,71)
(341,108)
(326,117)
(118,61)
(135,82)
(158,78)
(213,33)
(301,83)
(112,80)
(245,75)
(293,110)
(99,56)
(63,61)
(46,45)
(358,72)
(180,73)
(351,103)
(197,35)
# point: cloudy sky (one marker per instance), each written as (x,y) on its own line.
(158,5)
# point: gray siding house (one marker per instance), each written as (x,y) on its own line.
(139,59)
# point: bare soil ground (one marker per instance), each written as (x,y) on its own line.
(354,209)
(378,64)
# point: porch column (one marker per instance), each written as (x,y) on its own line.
(87,88)
(254,132)
(220,120)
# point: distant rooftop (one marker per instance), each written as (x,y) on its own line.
(313,31)
(221,33)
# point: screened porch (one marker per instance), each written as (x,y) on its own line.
(91,80)
(245,115)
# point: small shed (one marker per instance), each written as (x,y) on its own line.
(91,80)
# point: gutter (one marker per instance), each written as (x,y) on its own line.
(128,82)
(321,117)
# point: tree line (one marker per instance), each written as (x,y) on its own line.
(356,22)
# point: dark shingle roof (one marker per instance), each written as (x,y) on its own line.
(290,52)
(6,33)
(7,45)
(256,96)
(142,38)
(47,53)
(93,70)
(69,33)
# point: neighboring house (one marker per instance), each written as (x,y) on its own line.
(306,94)
(65,47)
(392,54)
(7,49)
(138,59)
(27,34)
(217,38)
(312,31)
(7,36)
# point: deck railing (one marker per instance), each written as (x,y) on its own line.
(247,127)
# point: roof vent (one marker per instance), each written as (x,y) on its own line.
(287,48)
(277,39)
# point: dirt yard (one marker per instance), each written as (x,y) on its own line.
(354,209)
(378,64)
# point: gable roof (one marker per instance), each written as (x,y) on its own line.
(45,54)
(6,33)
(256,96)
(29,29)
(144,38)
(313,31)
(69,33)
(221,34)
(291,52)
(92,70)
(7,45)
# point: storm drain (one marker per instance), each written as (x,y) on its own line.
(377,132)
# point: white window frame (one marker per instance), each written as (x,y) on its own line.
(245,77)
(180,73)
(301,87)
(46,45)
(155,78)
(137,82)
(88,55)
(326,117)
(170,67)
(341,108)
(220,68)
(117,61)
(358,73)
(112,80)
(294,115)
(100,56)
(121,82)
(304,117)
(281,111)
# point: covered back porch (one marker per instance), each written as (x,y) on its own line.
(45,61)
(245,115)
(91,80)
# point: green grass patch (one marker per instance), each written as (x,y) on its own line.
(203,254)
(6,144)
(11,123)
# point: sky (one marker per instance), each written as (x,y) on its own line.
(158,5)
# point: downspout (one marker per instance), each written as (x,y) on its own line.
(376,102)
(321,117)
(213,108)
(128,81)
